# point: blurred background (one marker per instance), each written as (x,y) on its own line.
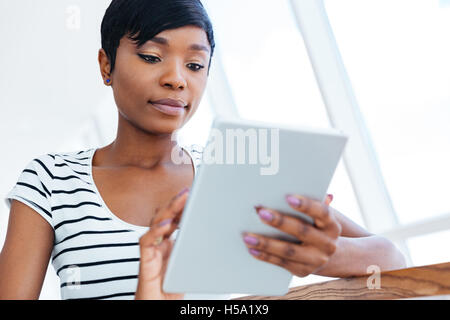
(390,76)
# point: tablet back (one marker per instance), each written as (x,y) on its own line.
(209,255)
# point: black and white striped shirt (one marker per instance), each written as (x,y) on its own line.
(95,254)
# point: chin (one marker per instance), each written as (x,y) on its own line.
(163,127)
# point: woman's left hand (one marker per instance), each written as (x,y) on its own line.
(155,249)
(318,241)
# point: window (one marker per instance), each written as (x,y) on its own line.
(429,248)
(196,131)
(270,74)
(271,78)
(396,54)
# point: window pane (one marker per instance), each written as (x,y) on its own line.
(430,248)
(197,129)
(270,74)
(266,63)
(397,56)
(271,77)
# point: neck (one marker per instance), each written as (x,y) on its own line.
(134,147)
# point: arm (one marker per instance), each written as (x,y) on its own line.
(25,254)
(357,249)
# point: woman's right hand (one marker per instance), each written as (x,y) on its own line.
(155,248)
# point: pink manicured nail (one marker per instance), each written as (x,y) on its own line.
(164,222)
(183,191)
(265,215)
(255,252)
(257,207)
(293,201)
(251,240)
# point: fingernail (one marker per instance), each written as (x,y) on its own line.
(330,196)
(265,215)
(257,207)
(255,252)
(251,240)
(293,201)
(183,191)
(164,222)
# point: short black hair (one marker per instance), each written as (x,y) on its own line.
(141,20)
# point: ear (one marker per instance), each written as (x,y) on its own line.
(105,66)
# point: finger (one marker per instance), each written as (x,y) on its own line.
(320,212)
(307,255)
(296,268)
(150,264)
(153,263)
(174,208)
(303,231)
(173,227)
(165,247)
(162,230)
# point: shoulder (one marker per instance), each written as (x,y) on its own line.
(65,155)
(79,154)
(196,149)
(41,166)
(196,152)
(73,158)
(37,181)
(45,166)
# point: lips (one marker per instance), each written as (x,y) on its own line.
(170,107)
(170,102)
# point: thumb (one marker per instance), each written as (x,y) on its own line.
(173,209)
(150,266)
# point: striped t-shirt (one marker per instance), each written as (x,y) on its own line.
(95,253)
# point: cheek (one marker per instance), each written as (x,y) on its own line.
(131,82)
(198,88)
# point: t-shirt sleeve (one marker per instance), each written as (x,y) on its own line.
(33,187)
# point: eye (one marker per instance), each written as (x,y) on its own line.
(154,59)
(149,58)
(195,66)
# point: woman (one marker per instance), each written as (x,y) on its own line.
(94,206)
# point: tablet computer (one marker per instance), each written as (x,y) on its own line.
(246,163)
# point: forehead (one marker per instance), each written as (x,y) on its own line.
(186,32)
(186,37)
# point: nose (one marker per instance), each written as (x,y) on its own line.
(173,78)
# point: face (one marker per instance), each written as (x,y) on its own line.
(158,87)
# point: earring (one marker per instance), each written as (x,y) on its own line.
(108,81)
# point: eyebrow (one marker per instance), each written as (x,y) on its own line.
(195,47)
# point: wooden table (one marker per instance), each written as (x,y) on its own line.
(424,282)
